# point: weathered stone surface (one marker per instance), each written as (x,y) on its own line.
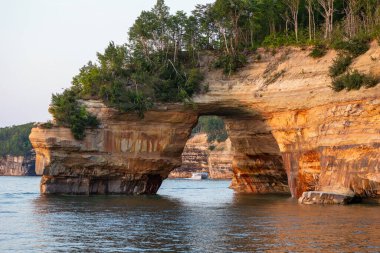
(198,157)
(220,161)
(194,157)
(18,165)
(147,184)
(125,155)
(289,133)
(325,198)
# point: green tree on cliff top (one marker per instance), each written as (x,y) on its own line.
(161,61)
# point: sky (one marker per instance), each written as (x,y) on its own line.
(44,43)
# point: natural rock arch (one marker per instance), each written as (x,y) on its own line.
(280,112)
(257,162)
(132,156)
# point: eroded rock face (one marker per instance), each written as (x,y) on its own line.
(220,161)
(194,157)
(18,165)
(289,131)
(199,157)
(125,155)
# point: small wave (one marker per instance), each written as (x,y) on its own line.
(8,212)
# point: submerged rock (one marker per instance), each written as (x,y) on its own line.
(318,197)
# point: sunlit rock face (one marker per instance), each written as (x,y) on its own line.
(126,155)
(201,156)
(289,133)
(220,161)
(18,165)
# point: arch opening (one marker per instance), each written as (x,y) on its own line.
(207,153)
(130,155)
(255,161)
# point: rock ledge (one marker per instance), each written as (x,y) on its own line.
(325,198)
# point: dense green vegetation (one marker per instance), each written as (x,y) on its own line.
(318,51)
(15,140)
(342,76)
(340,65)
(213,126)
(68,112)
(161,61)
(353,47)
(353,81)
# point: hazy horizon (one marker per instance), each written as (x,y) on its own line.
(45,43)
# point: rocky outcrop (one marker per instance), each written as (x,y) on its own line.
(201,156)
(125,155)
(18,165)
(289,132)
(325,198)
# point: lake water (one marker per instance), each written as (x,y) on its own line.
(186,216)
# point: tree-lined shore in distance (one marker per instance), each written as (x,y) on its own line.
(14,140)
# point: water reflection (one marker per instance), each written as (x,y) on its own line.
(112,222)
(185,217)
(278,223)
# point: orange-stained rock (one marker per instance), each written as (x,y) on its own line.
(289,132)
(125,155)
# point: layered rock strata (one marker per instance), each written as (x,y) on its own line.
(126,155)
(288,129)
(220,161)
(194,157)
(201,156)
(18,165)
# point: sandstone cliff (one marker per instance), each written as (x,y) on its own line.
(125,155)
(18,165)
(198,157)
(220,161)
(288,129)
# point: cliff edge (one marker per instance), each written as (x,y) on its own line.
(290,133)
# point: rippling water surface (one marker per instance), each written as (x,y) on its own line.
(186,216)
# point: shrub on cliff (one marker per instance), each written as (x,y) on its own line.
(353,81)
(176,83)
(230,63)
(340,65)
(318,51)
(137,102)
(286,39)
(354,47)
(68,112)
